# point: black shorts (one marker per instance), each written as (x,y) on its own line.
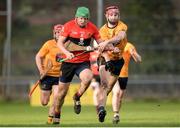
(70,69)
(48,81)
(117,65)
(123,82)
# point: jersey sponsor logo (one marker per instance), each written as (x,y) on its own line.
(81,42)
(74,33)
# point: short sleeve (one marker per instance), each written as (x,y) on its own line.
(131,47)
(44,49)
(96,34)
(65,30)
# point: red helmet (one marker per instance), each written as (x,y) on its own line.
(57,28)
(112,9)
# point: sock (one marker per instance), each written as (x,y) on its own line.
(56,118)
(57,115)
(77,95)
(116,113)
(50,119)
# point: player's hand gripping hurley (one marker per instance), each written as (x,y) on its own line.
(87,50)
(48,67)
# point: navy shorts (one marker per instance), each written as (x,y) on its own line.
(70,69)
(123,82)
(48,81)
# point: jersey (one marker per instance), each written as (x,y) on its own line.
(49,50)
(93,60)
(108,33)
(126,57)
(81,37)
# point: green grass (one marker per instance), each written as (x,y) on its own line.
(138,113)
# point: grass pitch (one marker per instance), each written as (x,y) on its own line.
(134,113)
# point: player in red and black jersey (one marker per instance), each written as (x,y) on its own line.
(76,35)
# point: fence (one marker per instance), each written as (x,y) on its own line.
(139,86)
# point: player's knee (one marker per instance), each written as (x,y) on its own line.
(87,79)
(116,93)
(44,102)
(104,83)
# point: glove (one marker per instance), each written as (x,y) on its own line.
(58,58)
(109,66)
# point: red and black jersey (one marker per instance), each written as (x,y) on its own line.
(81,36)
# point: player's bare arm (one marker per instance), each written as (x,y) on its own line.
(39,61)
(60,44)
(113,41)
(135,55)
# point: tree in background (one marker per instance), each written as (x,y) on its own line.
(152,24)
(152,27)
(153,19)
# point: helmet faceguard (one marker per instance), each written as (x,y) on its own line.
(57,30)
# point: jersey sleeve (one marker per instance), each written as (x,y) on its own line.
(124,27)
(121,27)
(96,34)
(44,50)
(65,30)
(130,48)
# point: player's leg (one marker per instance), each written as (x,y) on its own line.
(118,93)
(102,92)
(114,67)
(116,102)
(54,96)
(85,75)
(112,80)
(107,82)
(59,100)
(45,90)
(45,96)
(64,82)
(95,83)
